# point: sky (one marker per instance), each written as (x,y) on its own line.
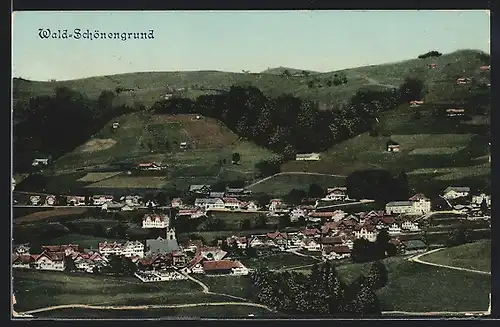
(237,40)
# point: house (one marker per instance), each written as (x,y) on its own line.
(50,261)
(155,261)
(463,80)
(432,66)
(50,200)
(131,200)
(179,259)
(478,199)
(336,252)
(233,191)
(231,203)
(252,206)
(89,262)
(211,253)
(297,213)
(21,249)
(336,194)
(277,239)
(224,267)
(128,207)
(35,200)
(99,200)
(241,242)
(330,228)
(454,192)
(149,166)
(258,241)
(192,213)
(454,112)
(23,260)
(399,207)
(68,249)
(183,145)
(176,203)
(40,162)
(338,215)
(155,221)
(115,125)
(394,229)
(307,157)
(421,204)
(74,200)
(485,68)
(199,189)
(112,206)
(310,244)
(414,246)
(408,225)
(416,103)
(368,232)
(209,203)
(393,146)
(274,204)
(216,195)
(110,248)
(310,232)
(132,249)
(332,240)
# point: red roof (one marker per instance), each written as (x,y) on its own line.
(24,258)
(197,259)
(274,200)
(154,217)
(388,220)
(113,245)
(340,249)
(221,265)
(328,226)
(332,240)
(321,214)
(60,248)
(239,239)
(310,231)
(54,256)
(277,234)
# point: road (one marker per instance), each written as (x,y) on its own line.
(291,173)
(418,260)
(375,82)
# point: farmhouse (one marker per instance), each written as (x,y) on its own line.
(75,200)
(176,203)
(310,232)
(23,260)
(452,112)
(66,249)
(416,103)
(155,221)
(409,225)
(216,195)
(115,125)
(132,249)
(209,203)
(156,261)
(50,200)
(112,206)
(191,213)
(421,204)
(336,194)
(149,166)
(40,162)
(310,244)
(50,261)
(414,246)
(463,80)
(274,204)
(432,66)
(199,189)
(278,239)
(211,253)
(336,252)
(252,206)
(393,146)
(368,232)
(485,68)
(107,249)
(297,213)
(241,242)
(99,200)
(183,145)
(231,203)
(478,199)
(307,157)
(35,200)
(231,191)
(223,267)
(454,192)
(21,249)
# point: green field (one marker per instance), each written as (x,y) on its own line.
(282,184)
(225,311)
(278,261)
(85,241)
(475,256)
(239,286)
(39,289)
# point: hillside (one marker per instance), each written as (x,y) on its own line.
(148,87)
(281,70)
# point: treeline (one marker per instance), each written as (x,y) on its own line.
(322,293)
(54,125)
(287,124)
(430,54)
(379,185)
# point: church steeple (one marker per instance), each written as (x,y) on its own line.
(170,233)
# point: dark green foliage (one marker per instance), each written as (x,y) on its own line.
(379,185)
(430,54)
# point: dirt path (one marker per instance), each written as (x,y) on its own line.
(418,260)
(291,173)
(346,204)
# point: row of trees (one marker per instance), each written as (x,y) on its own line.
(322,293)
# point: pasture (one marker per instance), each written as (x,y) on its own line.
(280,185)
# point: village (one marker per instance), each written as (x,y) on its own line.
(326,236)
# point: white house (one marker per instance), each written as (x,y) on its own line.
(209,203)
(336,194)
(231,203)
(399,207)
(394,229)
(241,242)
(338,215)
(336,252)
(257,241)
(110,248)
(418,204)
(35,200)
(478,199)
(50,261)
(132,249)
(410,226)
(421,204)
(368,232)
(176,203)
(99,200)
(40,162)
(310,244)
(155,221)
(197,269)
(453,192)
(307,157)
(252,206)
(274,204)
(297,213)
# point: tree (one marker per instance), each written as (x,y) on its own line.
(161,199)
(377,277)
(284,221)
(484,206)
(302,221)
(286,73)
(458,237)
(261,221)
(295,196)
(315,191)
(69,264)
(236,158)
(411,89)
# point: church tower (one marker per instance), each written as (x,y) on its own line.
(170,233)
